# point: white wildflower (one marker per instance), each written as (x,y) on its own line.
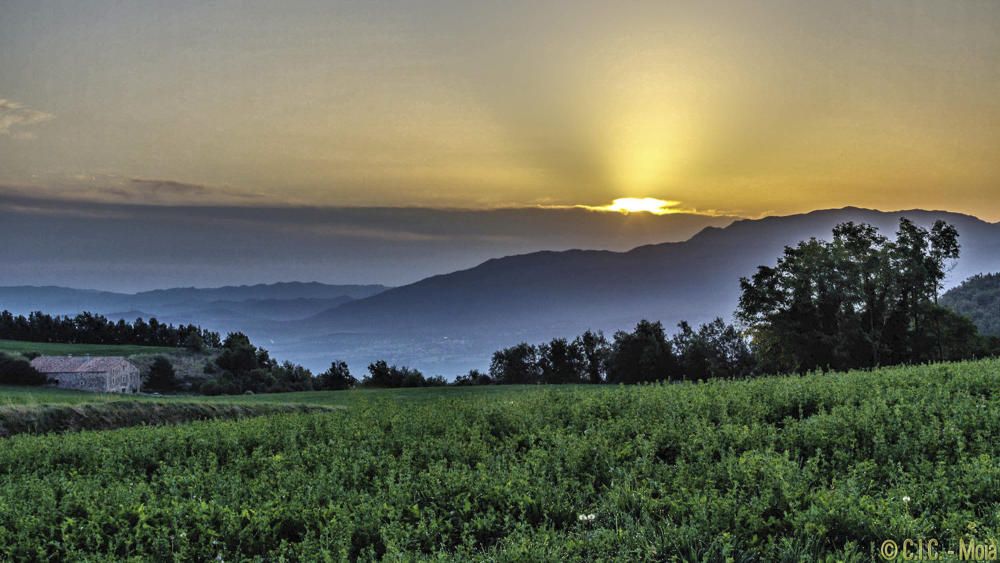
(906,499)
(586,517)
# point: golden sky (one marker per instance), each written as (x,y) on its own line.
(745,108)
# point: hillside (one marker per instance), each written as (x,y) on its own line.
(262,300)
(453,322)
(252,308)
(979,299)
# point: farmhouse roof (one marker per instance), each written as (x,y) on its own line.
(78,364)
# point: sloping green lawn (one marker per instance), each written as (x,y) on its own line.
(14,395)
(60,349)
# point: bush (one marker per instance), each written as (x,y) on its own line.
(242,367)
(15,371)
(381,374)
(161,376)
(336,378)
(474,377)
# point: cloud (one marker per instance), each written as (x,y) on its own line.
(14,117)
(147,190)
(161,187)
(116,188)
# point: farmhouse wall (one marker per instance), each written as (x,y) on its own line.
(80,381)
(100,374)
(123,379)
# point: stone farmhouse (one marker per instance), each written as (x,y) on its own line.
(90,373)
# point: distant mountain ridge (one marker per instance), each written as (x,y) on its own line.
(280,290)
(221,308)
(452,322)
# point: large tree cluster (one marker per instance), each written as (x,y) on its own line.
(857,301)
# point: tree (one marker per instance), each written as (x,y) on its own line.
(239,356)
(515,365)
(194,342)
(161,376)
(244,367)
(287,377)
(861,300)
(381,374)
(642,355)
(596,350)
(336,378)
(560,361)
(715,350)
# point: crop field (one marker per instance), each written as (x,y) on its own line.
(11,395)
(773,469)
(61,349)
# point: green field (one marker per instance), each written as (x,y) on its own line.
(773,469)
(14,395)
(60,349)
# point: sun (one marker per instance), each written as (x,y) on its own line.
(640,205)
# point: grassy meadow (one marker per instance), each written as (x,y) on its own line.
(16,395)
(824,466)
(61,349)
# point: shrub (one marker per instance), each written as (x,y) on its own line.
(161,376)
(15,371)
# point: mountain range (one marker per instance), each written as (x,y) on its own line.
(452,322)
(221,308)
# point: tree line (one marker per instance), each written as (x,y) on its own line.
(644,354)
(242,367)
(89,328)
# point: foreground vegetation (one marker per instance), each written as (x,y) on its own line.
(105,415)
(777,468)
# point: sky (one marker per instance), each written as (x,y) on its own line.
(720,109)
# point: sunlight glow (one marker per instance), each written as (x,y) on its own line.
(628,205)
